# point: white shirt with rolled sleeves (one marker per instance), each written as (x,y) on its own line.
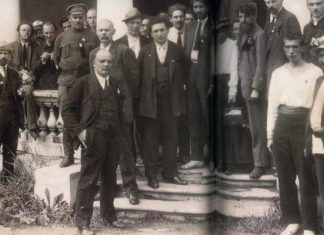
(291,90)
(227,63)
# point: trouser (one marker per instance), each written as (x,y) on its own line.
(319,169)
(288,151)
(257,122)
(63,92)
(183,137)
(198,121)
(99,159)
(164,129)
(9,131)
(128,161)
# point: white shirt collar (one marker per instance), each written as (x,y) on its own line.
(107,48)
(316,20)
(132,38)
(203,22)
(102,80)
(163,46)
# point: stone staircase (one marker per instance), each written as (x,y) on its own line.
(239,196)
(193,201)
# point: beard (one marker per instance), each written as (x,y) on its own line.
(3,61)
(273,11)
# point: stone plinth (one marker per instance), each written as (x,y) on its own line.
(58,181)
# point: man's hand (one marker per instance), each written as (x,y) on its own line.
(319,132)
(210,90)
(270,145)
(231,99)
(82,136)
(255,95)
(45,56)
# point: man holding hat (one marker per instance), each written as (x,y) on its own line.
(11,112)
(71,55)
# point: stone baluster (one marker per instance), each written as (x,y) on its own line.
(42,122)
(51,123)
(60,123)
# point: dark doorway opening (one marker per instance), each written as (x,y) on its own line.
(154,7)
(52,10)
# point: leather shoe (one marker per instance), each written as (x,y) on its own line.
(153,182)
(133,198)
(192,165)
(175,180)
(67,161)
(257,172)
(86,231)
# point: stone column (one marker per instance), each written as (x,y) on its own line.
(10,17)
(115,11)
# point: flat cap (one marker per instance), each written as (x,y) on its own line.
(133,13)
(79,8)
(4,46)
(37,24)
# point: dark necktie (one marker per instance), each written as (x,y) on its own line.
(197,36)
(179,40)
(24,54)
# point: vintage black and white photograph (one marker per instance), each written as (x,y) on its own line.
(110,118)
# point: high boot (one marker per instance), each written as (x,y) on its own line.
(68,159)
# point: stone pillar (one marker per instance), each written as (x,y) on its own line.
(10,17)
(115,11)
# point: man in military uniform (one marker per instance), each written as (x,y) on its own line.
(71,55)
(11,114)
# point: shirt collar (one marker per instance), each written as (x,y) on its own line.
(107,48)
(132,38)
(316,20)
(203,22)
(24,43)
(163,46)
(101,78)
(4,67)
(177,30)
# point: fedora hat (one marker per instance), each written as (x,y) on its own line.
(316,45)
(133,13)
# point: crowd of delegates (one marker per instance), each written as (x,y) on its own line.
(278,71)
(146,90)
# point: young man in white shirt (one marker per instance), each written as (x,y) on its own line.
(291,94)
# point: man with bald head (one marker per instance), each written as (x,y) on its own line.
(125,66)
(92,114)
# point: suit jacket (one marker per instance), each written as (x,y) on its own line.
(311,31)
(81,106)
(124,40)
(17,60)
(13,78)
(275,55)
(125,65)
(251,61)
(148,94)
(203,72)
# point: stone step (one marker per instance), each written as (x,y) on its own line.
(243,180)
(198,176)
(172,192)
(245,202)
(178,209)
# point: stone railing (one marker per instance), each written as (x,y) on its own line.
(50,122)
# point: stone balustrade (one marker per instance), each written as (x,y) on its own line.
(50,122)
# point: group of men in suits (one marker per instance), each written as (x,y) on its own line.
(282,89)
(157,86)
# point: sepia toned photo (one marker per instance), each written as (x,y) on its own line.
(110,118)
